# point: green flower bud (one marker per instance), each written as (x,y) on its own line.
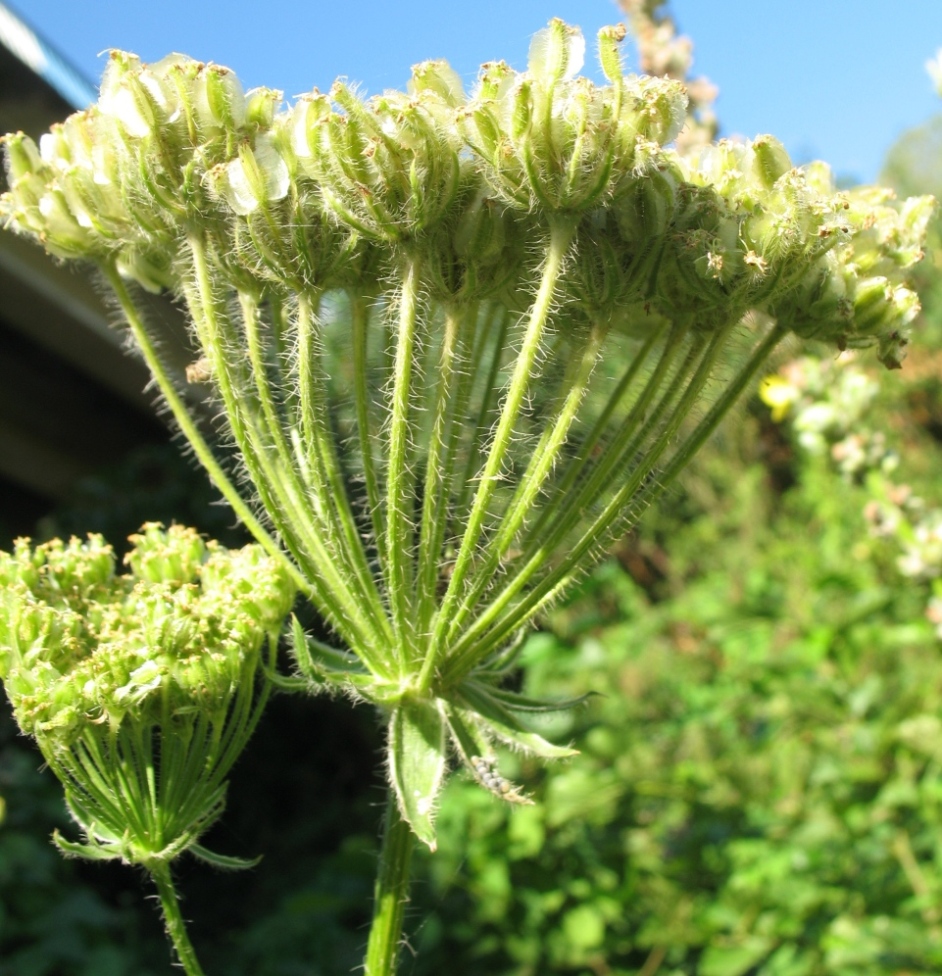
(654,110)
(556,53)
(599,280)
(261,104)
(305,124)
(645,207)
(64,233)
(219,100)
(769,160)
(391,171)
(174,555)
(610,39)
(152,270)
(440,79)
(137,97)
(23,158)
(257,177)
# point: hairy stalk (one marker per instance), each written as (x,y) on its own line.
(731,393)
(586,455)
(391,893)
(191,431)
(328,483)
(504,616)
(627,440)
(399,535)
(359,322)
(560,238)
(176,927)
(482,421)
(566,509)
(288,512)
(249,306)
(547,591)
(437,473)
(543,459)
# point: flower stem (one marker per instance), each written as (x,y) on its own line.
(186,424)
(390,894)
(504,615)
(560,239)
(543,459)
(176,928)
(437,480)
(399,530)
(359,321)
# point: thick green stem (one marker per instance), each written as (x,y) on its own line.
(390,894)
(176,928)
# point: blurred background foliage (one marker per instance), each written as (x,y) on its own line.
(759,790)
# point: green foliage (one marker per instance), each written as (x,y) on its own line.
(759,788)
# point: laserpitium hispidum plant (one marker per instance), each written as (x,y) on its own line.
(460,342)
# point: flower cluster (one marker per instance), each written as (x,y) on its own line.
(460,340)
(330,191)
(826,403)
(154,670)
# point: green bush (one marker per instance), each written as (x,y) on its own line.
(759,790)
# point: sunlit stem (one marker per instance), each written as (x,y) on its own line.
(328,482)
(560,239)
(578,466)
(360,320)
(190,429)
(731,393)
(503,617)
(499,320)
(573,494)
(571,499)
(324,575)
(399,534)
(557,583)
(544,458)
(437,473)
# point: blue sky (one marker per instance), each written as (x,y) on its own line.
(838,80)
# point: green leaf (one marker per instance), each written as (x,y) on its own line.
(506,726)
(471,739)
(467,736)
(417,764)
(88,852)
(290,682)
(522,703)
(223,861)
(734,960)
(322,665)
